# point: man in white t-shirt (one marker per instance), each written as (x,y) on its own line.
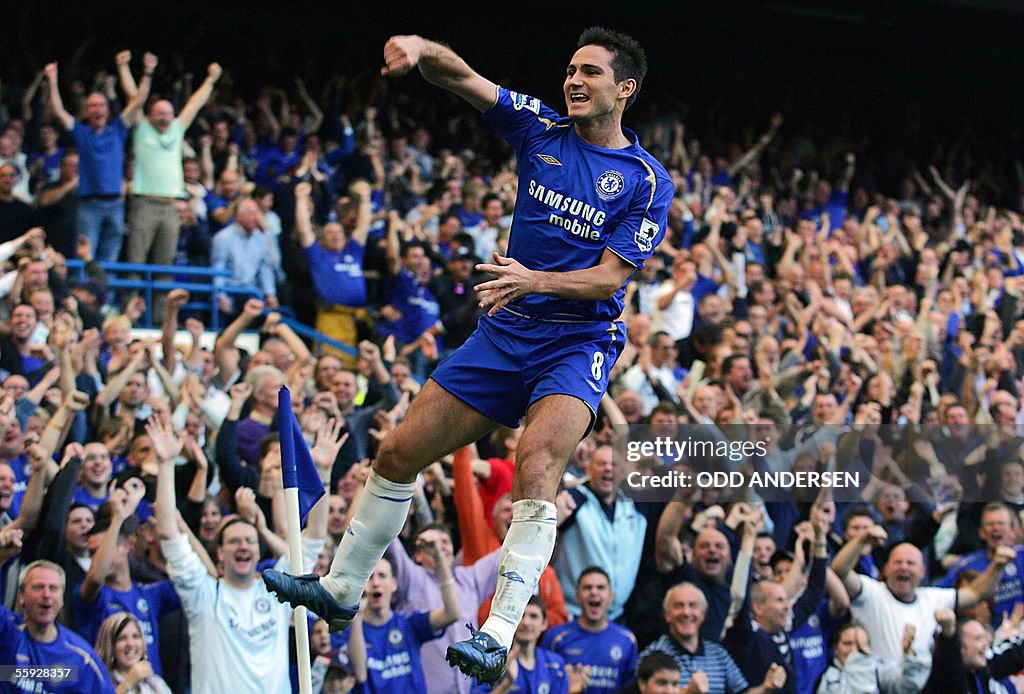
(674,303)
(885,608)
(653,376)
(238,632)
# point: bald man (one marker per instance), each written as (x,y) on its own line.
(885,608)
(241,247)
(159,181)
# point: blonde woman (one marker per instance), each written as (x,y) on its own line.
(122,648)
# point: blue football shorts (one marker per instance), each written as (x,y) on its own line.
(512,360)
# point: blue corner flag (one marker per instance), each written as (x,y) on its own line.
(298,470)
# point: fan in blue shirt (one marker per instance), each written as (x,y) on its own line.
(997,528)
(108,588)
(607,649)
(40,643)
(534,669)
(384,646)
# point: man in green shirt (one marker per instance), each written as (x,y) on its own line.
(158,182)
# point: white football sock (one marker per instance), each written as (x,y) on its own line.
(524,556)
(380,514)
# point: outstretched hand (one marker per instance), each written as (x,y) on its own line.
(401,54)
(512,280)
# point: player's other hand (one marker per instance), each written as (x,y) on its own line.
(512,281)
(401,54)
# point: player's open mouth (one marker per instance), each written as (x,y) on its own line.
(578,98)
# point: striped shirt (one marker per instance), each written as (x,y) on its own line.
(724,676)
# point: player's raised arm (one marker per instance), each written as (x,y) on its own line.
(439,65)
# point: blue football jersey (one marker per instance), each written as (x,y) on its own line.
(575,200)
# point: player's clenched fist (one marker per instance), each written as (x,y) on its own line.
(401,53)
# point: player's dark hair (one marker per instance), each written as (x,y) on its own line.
(655,662)
(628,59)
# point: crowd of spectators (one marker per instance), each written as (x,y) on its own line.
(848,327)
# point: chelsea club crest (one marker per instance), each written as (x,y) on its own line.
(610,184)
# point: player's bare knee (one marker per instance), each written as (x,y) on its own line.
(396,462)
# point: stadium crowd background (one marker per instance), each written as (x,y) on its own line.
(844,263)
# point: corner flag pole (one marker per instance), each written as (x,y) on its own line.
(291,500)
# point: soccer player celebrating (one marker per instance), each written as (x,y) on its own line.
(592,207)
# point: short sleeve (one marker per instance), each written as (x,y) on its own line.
(419,625)
(734,679)
(516,117)
(644,224)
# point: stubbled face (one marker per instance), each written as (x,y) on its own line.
(594,595)
(590,89)
(130,647)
